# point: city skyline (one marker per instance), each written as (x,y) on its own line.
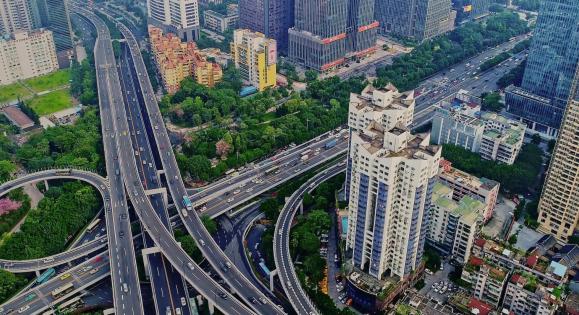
(288,157)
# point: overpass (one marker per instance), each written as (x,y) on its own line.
(283,262)
(100,183)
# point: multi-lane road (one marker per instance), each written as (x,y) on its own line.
(281,239)
(130,121)
(169,289)
(237,282)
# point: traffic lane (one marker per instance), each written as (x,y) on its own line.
(177,189)
(457,71)
(166,283)
(103,53)
(486,82)
(222,203)
(43,298)
(282,257)
(283,157)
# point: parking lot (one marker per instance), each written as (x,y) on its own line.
(437,285)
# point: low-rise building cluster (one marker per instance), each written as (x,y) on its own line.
(221,23)
(458,120)
(177,60)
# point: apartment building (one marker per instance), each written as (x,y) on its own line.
(453,224)
(391,174)
(207,73)
(218,22)
(255,56)
(502,139)
(457,120)
(27,55)
(28,15)
(525,295)
(454,125)
(177,60)
(464,184)
(176,16)
(487,280)
(559,203)
(15,15)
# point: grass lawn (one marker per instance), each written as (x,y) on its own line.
(49,81)
(51,102)
(12,91)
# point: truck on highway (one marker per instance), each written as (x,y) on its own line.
(187,203)
(184,212)
(330,144)
(305,157)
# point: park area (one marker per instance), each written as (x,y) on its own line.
(45,94)
(51,102)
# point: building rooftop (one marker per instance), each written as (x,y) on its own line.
(467,208)
(557,269)
(464,178)
(387,98)
(17,117)
(511,131)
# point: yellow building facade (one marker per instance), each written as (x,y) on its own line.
(255,56)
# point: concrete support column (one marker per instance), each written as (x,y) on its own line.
(146,252)
(211,307)
(272,274)
(37,273)
(301,206)
(46,184)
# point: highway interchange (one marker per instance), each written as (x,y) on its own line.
(131,122)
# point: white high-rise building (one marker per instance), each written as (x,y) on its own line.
(27,55)
(391,176)
(15,15)
(175,16)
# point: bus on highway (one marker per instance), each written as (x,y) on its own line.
(93,225)
(187,203)
(69,305)
(271,170)
(306,152)
(230,171)
(64,172)
(45,276)
(62,290)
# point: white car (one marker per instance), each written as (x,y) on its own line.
(230,200)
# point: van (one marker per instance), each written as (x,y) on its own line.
(125,287)
(190,265)
(201,242)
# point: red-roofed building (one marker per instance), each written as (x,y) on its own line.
(532,261)
(17,117)
(479,307)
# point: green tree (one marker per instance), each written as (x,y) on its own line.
(492,102)
(209,224)
(7,168)
(314,267)
(432,259)
(311,75)
(270,208)
(513,239)
(536,139)
(10,284)
(320,219)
